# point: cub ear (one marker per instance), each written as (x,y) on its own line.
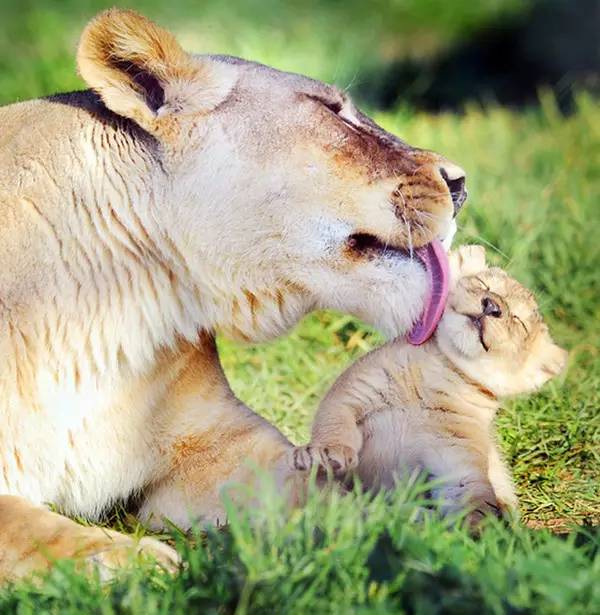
(142,73)
(548,361)
(467,260)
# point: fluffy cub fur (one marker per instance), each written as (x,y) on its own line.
(406,408)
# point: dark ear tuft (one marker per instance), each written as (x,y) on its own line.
(147,83)
(141,72)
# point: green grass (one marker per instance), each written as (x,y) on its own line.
(326,39)
(351,555)
(534,197)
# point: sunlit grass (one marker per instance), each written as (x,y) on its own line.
(342,555)
(534,194)
(533,203)
(335,41)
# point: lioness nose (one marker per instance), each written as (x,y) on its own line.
(454,177)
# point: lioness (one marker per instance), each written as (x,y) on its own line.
(180,195)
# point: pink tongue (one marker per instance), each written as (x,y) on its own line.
(435,261)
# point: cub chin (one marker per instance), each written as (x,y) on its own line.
(403,409)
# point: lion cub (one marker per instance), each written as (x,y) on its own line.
(404,408)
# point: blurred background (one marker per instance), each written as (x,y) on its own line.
(506,88)
(431,54)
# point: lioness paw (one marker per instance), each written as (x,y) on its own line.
(113,556)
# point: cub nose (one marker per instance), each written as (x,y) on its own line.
(454,177)
(490,308)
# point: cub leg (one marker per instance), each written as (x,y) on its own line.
(462,467)
(501,479)
(337,436)
(335,443)
(32,538)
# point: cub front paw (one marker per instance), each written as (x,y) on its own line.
(337,459)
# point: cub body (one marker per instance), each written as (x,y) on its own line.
(431,408)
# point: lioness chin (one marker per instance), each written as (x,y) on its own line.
(180,195)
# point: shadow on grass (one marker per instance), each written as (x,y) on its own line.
(553,45)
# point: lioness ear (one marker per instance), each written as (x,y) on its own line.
(142,73)
(467,260)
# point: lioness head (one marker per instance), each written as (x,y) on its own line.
(280,195)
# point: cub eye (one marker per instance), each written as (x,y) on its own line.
(482,283)
(521,323)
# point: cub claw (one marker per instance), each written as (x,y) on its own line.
(338,459)
(301,459)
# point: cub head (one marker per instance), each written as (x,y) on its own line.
(492,328)
(274,185)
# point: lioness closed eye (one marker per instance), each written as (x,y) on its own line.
(403,408)
(180,195)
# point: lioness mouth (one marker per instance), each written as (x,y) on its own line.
(364,243)
(435,262)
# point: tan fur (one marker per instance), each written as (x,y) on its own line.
(33,538)
(118,45)
(403,408)
(182,194)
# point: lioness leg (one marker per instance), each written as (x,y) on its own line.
(210,441)
(32,538)
(202,463)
